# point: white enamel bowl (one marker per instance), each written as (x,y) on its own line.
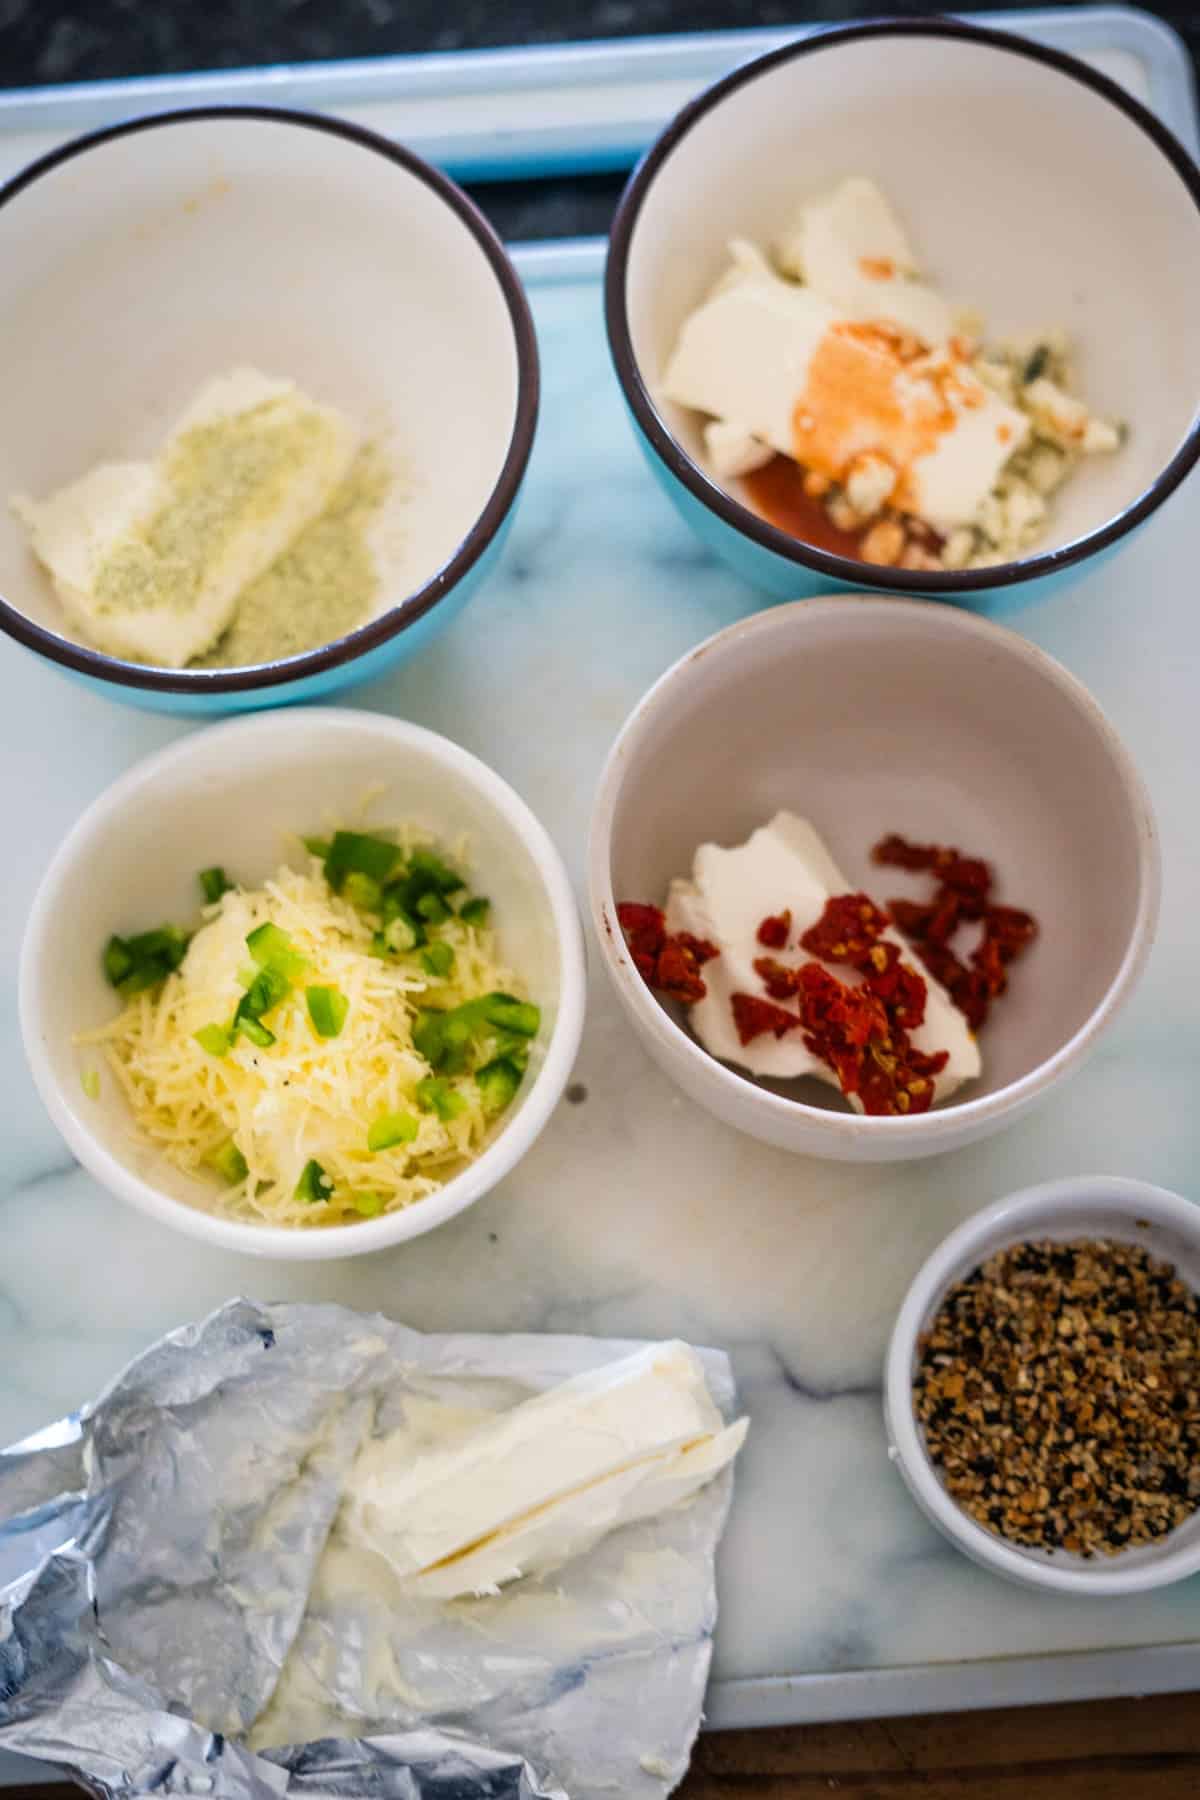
(141,261)
(870,715)
(1079,1207)
(1034,189)
(233,795)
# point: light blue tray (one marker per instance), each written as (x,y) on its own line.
(837,1600)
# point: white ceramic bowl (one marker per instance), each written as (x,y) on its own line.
(1079,1207)
(140,261)
(868,716)
(1034,190)
(232,795)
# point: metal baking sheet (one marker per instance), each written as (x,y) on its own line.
(832,1608)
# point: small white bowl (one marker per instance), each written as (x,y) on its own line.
(232,795)
(1082,1206)
(866,716)
(1034,188)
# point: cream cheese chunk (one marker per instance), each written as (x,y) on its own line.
(855,358)
(149,559)
(744,356)
(541,1484)
(755,358)
(850,248)
(784,864)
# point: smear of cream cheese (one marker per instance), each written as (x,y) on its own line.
(785,865)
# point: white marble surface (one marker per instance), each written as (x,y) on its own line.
(636,1214)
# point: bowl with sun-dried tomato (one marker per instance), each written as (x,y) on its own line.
(871,878)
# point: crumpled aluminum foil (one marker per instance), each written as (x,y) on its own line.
(179,1612)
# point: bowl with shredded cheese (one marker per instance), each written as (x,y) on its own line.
(305,985)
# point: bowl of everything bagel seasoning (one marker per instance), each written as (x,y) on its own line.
(1043,1387)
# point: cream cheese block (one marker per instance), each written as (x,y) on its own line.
(855,362)
(784,864)
(542,1483)
(149,559)
(850,248)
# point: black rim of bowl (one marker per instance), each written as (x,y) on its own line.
(734,512)
(404,613)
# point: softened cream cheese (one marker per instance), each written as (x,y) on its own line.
(541,1484)
(149,559)
(784,864)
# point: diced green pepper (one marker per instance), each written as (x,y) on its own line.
(475,911)
(354,852)
(438,960)
(213,883)
(510,1014)
(134,964)
(327,1008)
(433,908)
(255,1030)
(368,1203)
(436,1095)
(317,846)
(401,931)
(434,872)
(117,961)
(267,989)
(363,892)
(314,1185)
(267,944)
(215,1039)
(228,1162)
(392,1129)
(498,1082)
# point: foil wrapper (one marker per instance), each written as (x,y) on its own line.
(180,1613)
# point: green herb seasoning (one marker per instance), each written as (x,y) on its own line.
(322,586)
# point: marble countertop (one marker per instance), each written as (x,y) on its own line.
(637,1214)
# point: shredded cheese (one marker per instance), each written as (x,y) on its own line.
(304,1098)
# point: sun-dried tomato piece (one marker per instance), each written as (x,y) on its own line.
(677,974)
(774,930)
(780,980)
(846,930)
(970,878)
(912,917)
(645,929)
(896,852)
(669,963)
(832,1010)
(857,1035)
(903,991)
(753,1015)
(963,895)
(698,948)
(1012,929)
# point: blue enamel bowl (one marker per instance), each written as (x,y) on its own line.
(1036,192)
(141,261)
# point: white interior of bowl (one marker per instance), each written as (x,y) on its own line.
(871,716)
(1028,196)
(1080,1208)
(133,272)
(238,795)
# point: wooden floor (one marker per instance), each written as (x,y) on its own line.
(1124,1750)
(1127,1750)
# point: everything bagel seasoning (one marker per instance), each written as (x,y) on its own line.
(1058,1389)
